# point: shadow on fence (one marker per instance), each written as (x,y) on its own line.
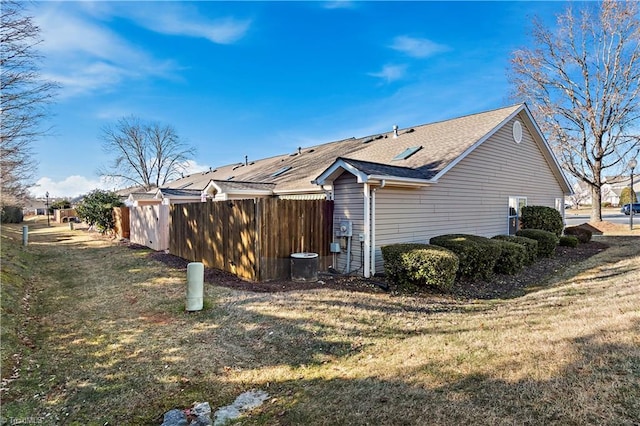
(252,239)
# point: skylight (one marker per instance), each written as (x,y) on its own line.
(281,171)
(407,153)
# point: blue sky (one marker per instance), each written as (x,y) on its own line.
(262,78)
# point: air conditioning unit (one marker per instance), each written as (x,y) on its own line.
(345,229)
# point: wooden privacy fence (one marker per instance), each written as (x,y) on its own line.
(121,221)
(252,238)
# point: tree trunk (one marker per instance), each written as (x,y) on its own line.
(596,204)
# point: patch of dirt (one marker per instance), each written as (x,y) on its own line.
(598,228)
(505,286)
(500,286)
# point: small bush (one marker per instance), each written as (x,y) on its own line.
(512,257)
(547,241)
(569,241)
(96,208)
(542,217)
(477,255)
(11,214)
(582,234)
(530,245)
(412,266)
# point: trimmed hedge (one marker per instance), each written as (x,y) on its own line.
(582,234)
(477,255)
(542,217)
(569,241)
(413,265)
(530,245)
(512,257)
(547,241)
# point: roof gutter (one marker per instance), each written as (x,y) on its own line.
(397,181)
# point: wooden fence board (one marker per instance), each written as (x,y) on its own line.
(252,238)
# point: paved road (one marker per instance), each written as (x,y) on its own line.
(621,218)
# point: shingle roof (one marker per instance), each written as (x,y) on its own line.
(230,186)
(442,143)
(181,192)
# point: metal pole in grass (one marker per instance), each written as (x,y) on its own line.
(47,204)
(632,165)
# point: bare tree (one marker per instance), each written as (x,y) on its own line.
(582,83)
(24,96)
(146,154)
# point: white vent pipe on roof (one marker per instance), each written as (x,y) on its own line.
(395,131)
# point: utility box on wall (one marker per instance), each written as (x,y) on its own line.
(345,229)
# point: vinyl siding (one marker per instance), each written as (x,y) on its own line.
(471,198)
(349,205)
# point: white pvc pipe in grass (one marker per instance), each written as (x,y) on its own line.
(195,286)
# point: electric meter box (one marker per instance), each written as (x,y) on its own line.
(345,229)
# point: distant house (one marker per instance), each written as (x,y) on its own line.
(470,174)
(34,206)
(612,187)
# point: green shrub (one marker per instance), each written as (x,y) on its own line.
(530,246)
(512,257)
(547,241)
(477,255)
(582,234)
(11,214)
(412,265)
(568,241)
(96,208)
(542,217)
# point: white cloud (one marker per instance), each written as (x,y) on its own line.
(75,185)
(390,72)
(339,4)
(193,167)
(417,47)
(84,55)
(70,187)
(178,20)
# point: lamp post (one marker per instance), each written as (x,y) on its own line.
(632,165)
(47,204)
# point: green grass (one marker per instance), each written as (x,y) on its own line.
(112,344)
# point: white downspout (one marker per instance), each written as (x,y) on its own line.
(373,227)
(367,230)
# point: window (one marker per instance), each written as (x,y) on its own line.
(407,153)
(515,208)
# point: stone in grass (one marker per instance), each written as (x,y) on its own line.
(200,413)
(244,402)
(175,417)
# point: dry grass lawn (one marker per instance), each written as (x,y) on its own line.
(104,339)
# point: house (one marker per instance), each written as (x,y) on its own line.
(610,191)
(471,174)
(467,175)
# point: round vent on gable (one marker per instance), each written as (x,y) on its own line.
(517,131)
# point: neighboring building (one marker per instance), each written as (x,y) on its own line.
(610,192)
